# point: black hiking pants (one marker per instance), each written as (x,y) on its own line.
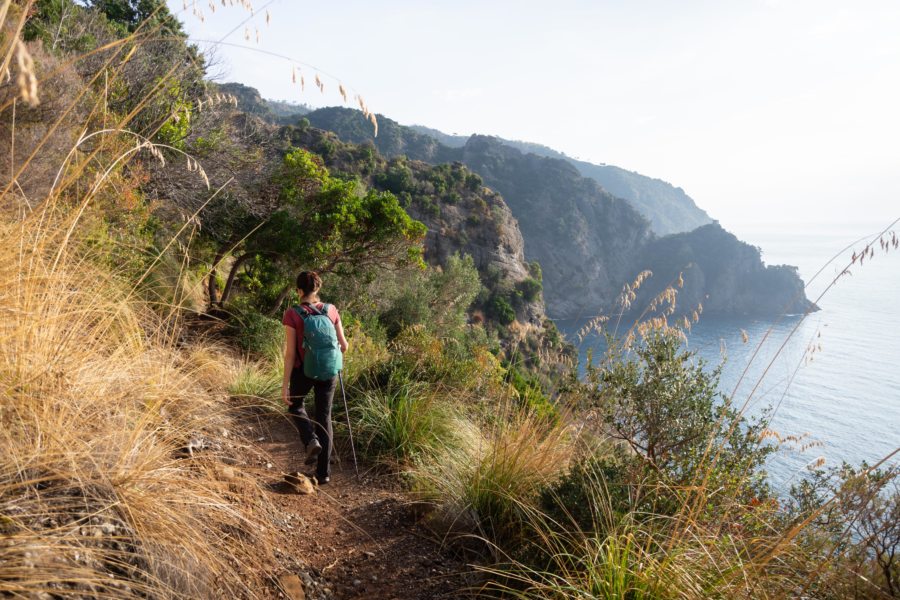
(320,428)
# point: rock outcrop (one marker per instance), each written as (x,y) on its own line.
(583,237)
(722,273)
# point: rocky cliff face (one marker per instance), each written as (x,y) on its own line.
(722,273)
(477,222)
(583,237)
(590,243)
(480,225)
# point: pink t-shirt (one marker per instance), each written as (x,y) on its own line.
(292,319)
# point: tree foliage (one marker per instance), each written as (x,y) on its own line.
(437,299)
(324,223)
(662,401)
(130,14)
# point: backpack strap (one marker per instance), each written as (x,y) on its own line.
(303,311)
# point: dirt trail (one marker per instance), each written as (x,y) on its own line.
(352,538)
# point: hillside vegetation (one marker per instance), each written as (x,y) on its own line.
(149,234)
(668,208)
(589,242)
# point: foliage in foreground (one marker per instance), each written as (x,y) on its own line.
(95,496)
(104,397)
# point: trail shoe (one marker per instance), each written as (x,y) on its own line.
(313,449)
(322,480)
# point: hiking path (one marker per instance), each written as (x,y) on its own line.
(351,538)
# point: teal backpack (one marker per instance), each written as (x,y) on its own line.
(322,357)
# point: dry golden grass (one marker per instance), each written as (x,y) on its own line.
(484,485)
(110,429)
(95,494)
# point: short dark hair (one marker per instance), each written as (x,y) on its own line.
(309,282)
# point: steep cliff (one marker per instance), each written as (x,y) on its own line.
(724,274)
(588,241)
(583,237)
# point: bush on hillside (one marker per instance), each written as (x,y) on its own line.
(864,502)
(255,333)
(659,400)
(437,299)
(500,308)
(530,288)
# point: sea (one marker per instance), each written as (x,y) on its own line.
(831,378)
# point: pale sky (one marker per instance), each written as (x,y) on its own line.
(769,113)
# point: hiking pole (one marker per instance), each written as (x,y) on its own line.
(349,428)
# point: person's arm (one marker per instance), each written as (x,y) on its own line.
(290,355)
(342,341)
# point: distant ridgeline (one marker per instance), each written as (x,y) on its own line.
(273,111)
(589,243)
(667,207)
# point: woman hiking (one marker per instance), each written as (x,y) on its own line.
(322,354)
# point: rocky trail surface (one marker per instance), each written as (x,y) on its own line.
(351,538)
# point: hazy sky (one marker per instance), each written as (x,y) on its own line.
(765,111)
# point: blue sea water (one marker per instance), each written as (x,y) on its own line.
(832,377)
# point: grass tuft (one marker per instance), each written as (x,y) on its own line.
(404,423)
(486,486)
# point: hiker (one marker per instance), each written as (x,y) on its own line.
(321,348)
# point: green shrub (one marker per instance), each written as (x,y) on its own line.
(531,289)
(529,392)
(398,178)
(502,310)
(474,182)
(257,334)
(448,363)
(594,496)
(666,406)
(436,299)
(534,269)
(864,503)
